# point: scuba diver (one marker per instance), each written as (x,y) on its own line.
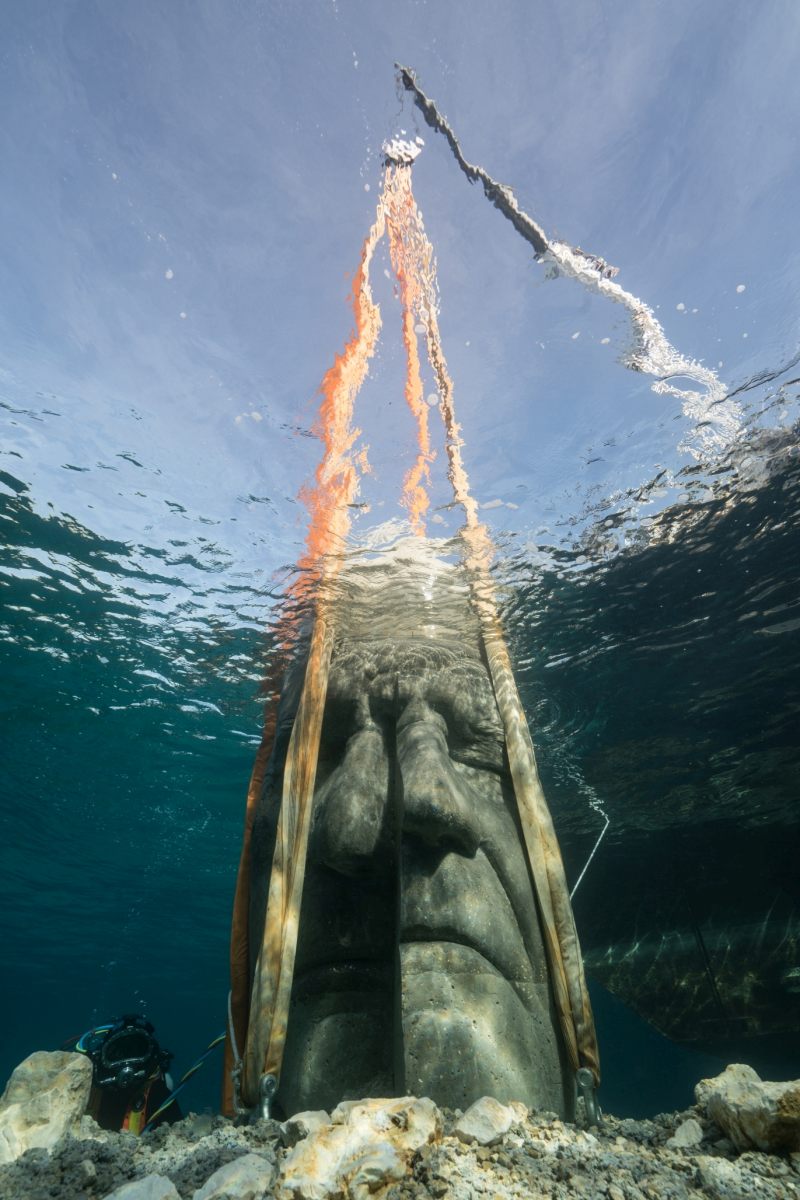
(130,1081)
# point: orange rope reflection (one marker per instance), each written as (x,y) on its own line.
(336,477)
(415,264)
(406,246)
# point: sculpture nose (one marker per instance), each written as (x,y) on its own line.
(436,802)
(352,830)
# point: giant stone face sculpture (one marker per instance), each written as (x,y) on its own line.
(420,966)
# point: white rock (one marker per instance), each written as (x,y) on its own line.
(410,1122)
(519,1110)
(688,1133)
(725,1180)
(302,1124)
(485,1122)
(152,1187)
(88,1169)
(246,1178)
(376,1165)
(333,1163)
(368,1145)
(753,1113)
(738,1073)
(44,1099)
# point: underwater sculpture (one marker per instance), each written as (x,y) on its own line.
(420,963)
(401,920)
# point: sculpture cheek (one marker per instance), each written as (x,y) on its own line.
(352,831)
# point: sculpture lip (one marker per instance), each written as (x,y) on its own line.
(343,975)
(418,934)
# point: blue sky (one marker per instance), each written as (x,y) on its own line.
(187,187)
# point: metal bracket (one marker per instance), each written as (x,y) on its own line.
(268,1086)
(586,1088)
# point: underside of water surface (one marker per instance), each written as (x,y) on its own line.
(191,191)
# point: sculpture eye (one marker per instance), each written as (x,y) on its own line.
(474,741)
(341,722)
(488,755)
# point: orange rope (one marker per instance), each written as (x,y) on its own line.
(336,484)
(544,854)
(328,500)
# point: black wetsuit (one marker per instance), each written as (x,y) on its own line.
(110,1106)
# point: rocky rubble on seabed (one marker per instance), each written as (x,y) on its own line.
(408,1149)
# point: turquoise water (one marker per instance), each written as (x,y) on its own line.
(130,747)
(189,188)
(663,686)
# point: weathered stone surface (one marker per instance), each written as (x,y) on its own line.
(246,1178)
(439,986)
(485,1122)
(152,1187)
(688,1133)
(368,1145)
(44,1099)
(752,1112)
(302,1124)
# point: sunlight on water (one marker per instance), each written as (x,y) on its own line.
(402,586)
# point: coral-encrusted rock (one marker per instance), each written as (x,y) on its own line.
(753,1113)
(485,1122)
(44,1099)
(369,1144)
